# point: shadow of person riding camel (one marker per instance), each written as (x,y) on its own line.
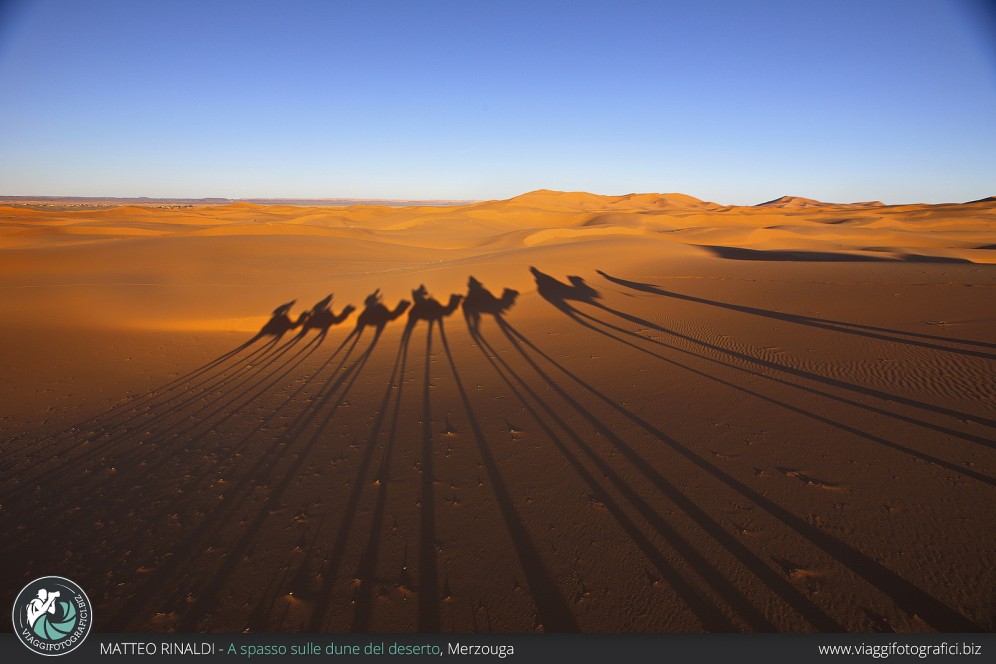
(321,317)
(479,300)
(376,315)
(427,308)
(560,294)
(279,324)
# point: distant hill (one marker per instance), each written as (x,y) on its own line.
(798,202)
(584,200)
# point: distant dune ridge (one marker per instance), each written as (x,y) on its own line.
(798,202)
(672,199)
(674,222)
(557,412)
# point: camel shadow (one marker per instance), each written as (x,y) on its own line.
(427,308)
(279,324)
(479,300)
(560,294)
(376,315)
(321,317)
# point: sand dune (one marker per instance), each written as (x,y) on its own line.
(796,202)
(649,413)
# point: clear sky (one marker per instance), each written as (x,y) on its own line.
(735,102)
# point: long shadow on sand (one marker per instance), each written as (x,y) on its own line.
(562,296)
(297,442)
(424,308)
(171,415)
(158,478)
(742,254)
(553,611)
(908,596)
(710,615)
(869,331)
(157,404)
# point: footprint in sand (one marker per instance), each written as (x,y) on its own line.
(811,481)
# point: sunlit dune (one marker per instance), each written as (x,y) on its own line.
(557,412)
(798,202)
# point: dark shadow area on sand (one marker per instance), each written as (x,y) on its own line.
(244,428)
(869,331)
(741,254)
(563,296)
(553,611)
(145,469)
(639,343)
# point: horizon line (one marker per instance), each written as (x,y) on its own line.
(350,200)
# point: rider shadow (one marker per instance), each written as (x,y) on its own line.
(278,325)
(560,294)
(321,317)
(479,301)
(376,315)
(427,308)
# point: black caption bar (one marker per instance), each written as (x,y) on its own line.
(520,648)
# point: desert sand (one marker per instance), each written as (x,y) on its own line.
(680,416)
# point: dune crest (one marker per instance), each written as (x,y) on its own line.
(798,202)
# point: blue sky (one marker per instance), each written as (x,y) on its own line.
(735,101)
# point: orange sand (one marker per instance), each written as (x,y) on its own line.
(732,418)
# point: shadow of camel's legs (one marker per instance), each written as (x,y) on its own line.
(907,595)
(806,608)
(552,608)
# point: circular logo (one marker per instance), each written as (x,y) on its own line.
(52,615)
